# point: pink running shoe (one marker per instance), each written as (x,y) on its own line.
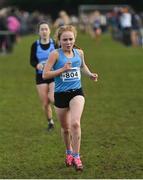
(78,164)
(69,160)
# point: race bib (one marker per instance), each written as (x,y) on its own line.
(71,75)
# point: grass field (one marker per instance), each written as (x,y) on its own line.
(112,131)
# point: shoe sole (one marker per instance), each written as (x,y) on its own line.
(68,165)
(50,128)
(78,168)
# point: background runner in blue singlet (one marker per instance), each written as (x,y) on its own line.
(40,51)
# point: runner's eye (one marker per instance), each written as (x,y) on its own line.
(70,39)
(44,29)
(64,39)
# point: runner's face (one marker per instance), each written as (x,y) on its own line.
(44,31)
(67,40)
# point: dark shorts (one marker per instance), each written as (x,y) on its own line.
(62,99)
(40,80)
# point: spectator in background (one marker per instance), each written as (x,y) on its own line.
(84,23)
(63,19)
(103,23)
(141,30)
(3,28)
(24,19)
(40,51)
(96,25)
(34,19)
(113,18)
(126,25)
(74,20)
(136,25)
(13,25)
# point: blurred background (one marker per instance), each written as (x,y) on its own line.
(111,35)
(123,20)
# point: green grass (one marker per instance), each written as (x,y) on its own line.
(111,123)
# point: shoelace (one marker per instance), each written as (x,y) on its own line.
(69,158)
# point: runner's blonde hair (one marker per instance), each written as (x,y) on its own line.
(62,29)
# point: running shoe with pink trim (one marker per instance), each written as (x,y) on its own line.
(78,164)
(69,160)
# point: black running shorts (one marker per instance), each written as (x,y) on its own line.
(62,99)
(40,80)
